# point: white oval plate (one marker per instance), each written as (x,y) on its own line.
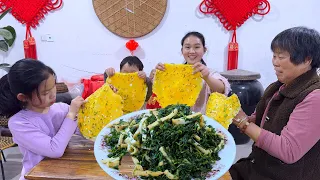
(227,154)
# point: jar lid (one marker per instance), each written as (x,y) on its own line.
(239,74)
(61,87)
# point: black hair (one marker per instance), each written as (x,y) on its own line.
(132,61)
(24,77)
(198,35)
(301,43)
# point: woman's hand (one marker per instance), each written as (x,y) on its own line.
(115,90)
(152,73)
(203,69)
(74,107)
(240,119)
(243,123)
(160,67)
(110,72)
(142,75)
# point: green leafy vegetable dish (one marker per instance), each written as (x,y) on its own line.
(168,143)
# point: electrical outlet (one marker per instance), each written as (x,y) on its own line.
(47,38)
(50,38)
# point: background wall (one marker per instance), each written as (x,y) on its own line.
(83,46)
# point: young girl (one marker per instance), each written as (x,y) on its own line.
(41,127)
(193,49)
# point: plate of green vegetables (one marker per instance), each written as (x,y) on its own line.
(167,143)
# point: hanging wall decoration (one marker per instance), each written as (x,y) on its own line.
(29,12)
(132,45)
(130,18)
(232,14)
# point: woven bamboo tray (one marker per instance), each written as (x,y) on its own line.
(130,18)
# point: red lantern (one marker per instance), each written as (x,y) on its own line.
(132,45)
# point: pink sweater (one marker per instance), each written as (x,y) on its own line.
(202,100)
(300,134)
(41,135)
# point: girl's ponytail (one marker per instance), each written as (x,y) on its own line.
(9,104)
(25,77)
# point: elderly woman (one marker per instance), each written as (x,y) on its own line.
(287,145)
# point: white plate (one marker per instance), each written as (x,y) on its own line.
(227,154)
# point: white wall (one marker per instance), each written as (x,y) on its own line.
(82,42)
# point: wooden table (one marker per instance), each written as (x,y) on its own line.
(78,162)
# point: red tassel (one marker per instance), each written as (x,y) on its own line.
(26,49)
(233,53)
(32,48)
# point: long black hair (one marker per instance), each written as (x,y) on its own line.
(24,77)
(198,35)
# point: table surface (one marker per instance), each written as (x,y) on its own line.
(78,162)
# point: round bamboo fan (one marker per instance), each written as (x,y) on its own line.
(130,18)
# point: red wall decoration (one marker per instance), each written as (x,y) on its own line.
(232,14)
(132,45)
(29,12)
